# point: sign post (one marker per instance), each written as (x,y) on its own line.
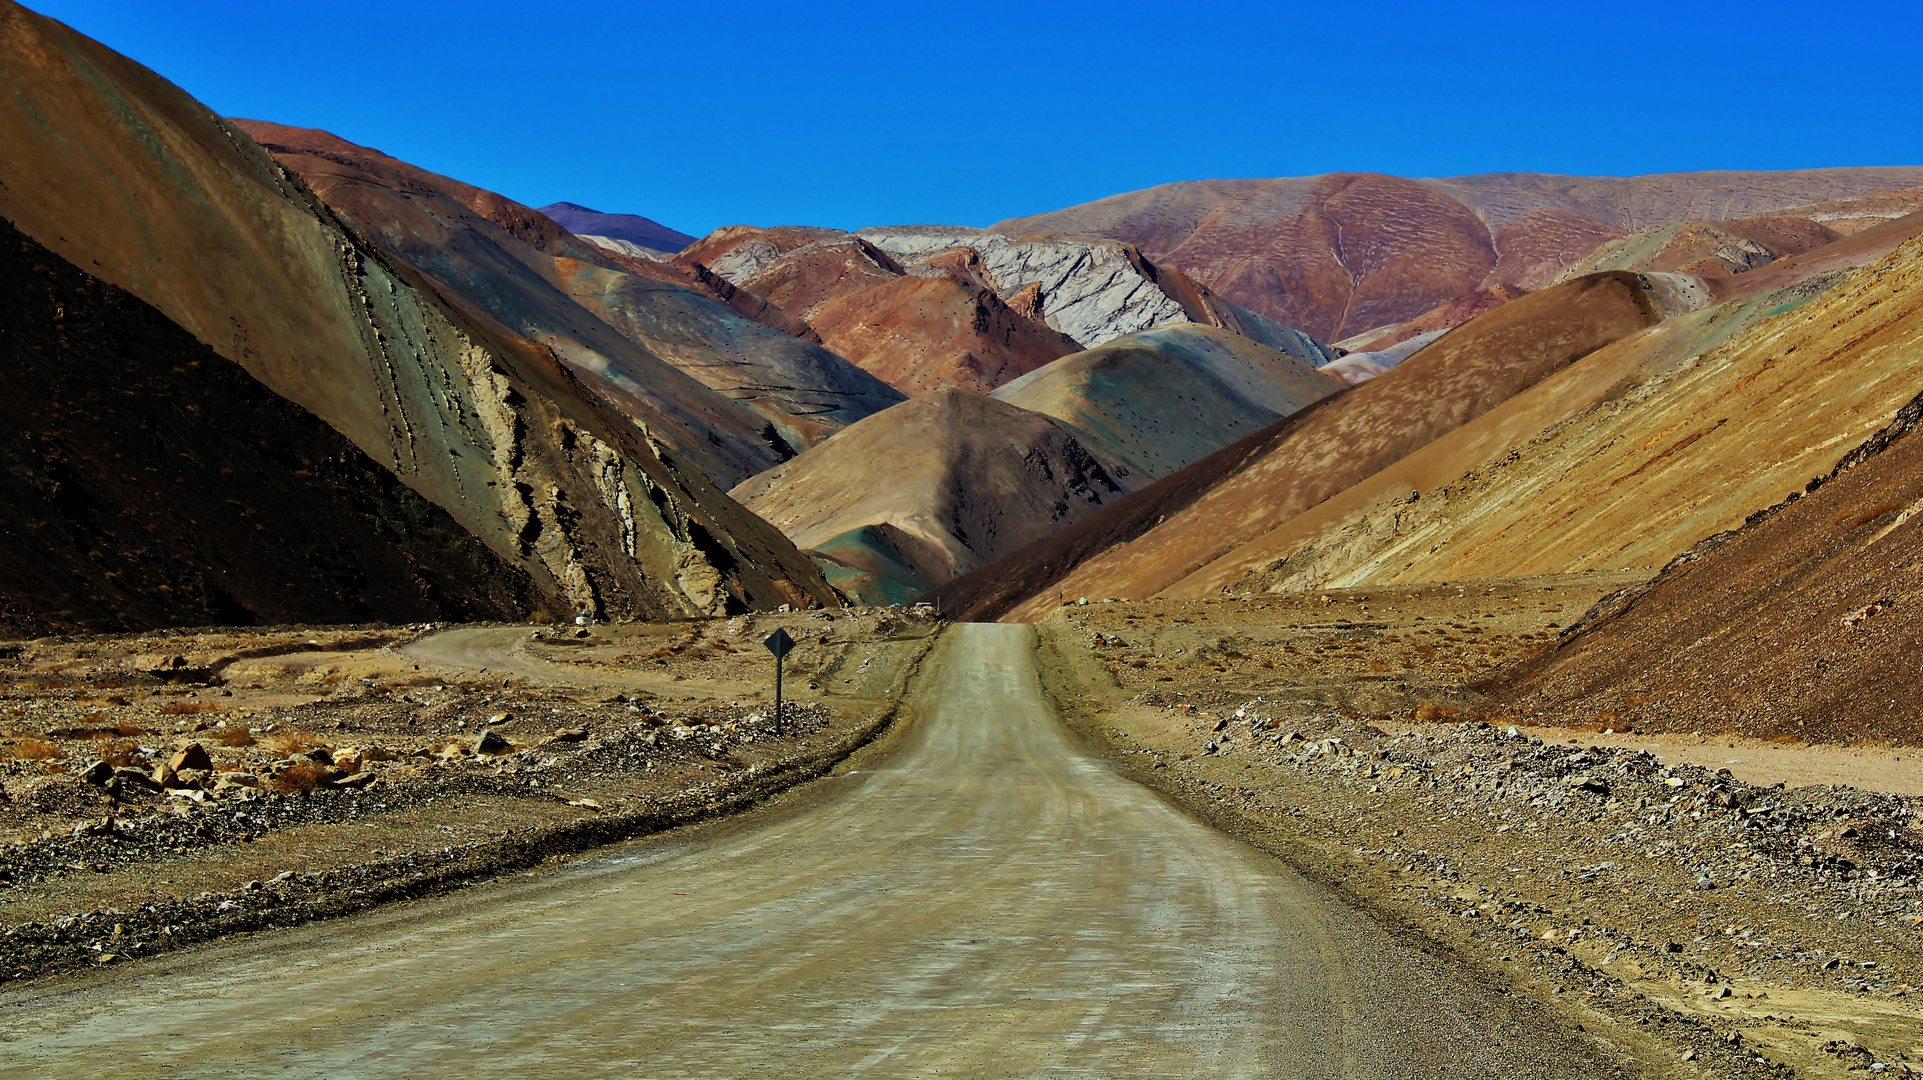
(781,645)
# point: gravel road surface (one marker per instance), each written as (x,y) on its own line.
(986,902)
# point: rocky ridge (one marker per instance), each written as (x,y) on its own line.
(490,427)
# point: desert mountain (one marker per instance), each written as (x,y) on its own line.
(1445,316)
(1207,511)
(124,176)
(1708,249)
(1159,399)
(149,482)
(731,393)
(929,489)
(927,306)
(1619,460)
(1360,367)
(1345,253)
(1800,625)
(627,228)
(1629,456)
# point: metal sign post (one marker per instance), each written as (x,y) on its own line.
(781,645)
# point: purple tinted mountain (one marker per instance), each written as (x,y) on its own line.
(1342,254)
(729,392)
(635,229)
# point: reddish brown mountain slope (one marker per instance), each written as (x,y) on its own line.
(937,327)
(1804,624)
(679,361)
(963,477)
(1149,541)
(1341,254)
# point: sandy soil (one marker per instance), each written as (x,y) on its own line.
(346,767)
(1748,928)
(985,901)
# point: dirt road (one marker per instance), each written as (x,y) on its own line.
(987,902)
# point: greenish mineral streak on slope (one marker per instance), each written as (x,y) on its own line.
(1157,400)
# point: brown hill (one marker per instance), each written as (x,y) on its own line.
(1193,517)
(123,175)
(679,361)
(806,277)
(937,327)
(1443,317)
(1627,457)
(964,477)
(1342,254)
(1707,249)
(1803,624)
(1158,400)
(149,482)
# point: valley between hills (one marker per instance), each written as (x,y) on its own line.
(1494,596)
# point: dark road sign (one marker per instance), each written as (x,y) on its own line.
(779,643)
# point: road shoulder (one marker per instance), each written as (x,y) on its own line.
(1591,905)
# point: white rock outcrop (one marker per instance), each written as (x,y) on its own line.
(623,247)
(1091,289)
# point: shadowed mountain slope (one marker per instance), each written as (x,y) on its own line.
(962,477)
(635,229)
(1341,254)
(1181,523)
(149,482)
(682,363)
(1802,624)
(123,175)
(1157,400)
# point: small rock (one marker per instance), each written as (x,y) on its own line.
(191,756)
(125,779)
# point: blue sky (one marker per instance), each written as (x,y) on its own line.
(701,114)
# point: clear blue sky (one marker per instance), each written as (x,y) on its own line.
(701,113)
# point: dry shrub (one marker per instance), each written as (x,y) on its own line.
(37,750)
(300,777)
(234,737)
(1858,520)
(291,742)
(119,754)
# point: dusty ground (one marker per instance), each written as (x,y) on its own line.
(344,767)
(1750,922)
(977,900)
